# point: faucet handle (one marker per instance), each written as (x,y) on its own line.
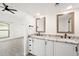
(69,37)
(65,36)
(61,36)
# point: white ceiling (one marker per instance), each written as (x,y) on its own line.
(42,8)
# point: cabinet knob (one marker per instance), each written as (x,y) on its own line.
(29,45)
(29,40)
(29,50)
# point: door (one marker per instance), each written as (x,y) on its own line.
(39,47)
(49,48)
(64,49)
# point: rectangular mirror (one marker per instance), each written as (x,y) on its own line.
(40,24)
(65,23)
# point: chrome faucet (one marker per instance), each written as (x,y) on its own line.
(38,34)
(65,36)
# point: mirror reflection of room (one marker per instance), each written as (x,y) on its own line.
(65,22)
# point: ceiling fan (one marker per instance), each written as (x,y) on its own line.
(7,9)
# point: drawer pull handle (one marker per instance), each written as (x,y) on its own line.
(76,49)
(45,43)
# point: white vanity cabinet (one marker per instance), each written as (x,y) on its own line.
(64,49)
(36,46)
(43,47)
(49,48)
(46,47)
(39,47)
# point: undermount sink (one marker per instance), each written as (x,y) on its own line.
(39,36)
(69,40)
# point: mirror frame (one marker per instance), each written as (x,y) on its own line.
(72,28)
(44,18)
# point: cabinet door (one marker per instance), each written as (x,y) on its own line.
(64,49)
(49,48)
(39,47)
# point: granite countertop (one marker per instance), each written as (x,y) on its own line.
(57,39)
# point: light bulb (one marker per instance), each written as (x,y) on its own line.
(69,7)
(37,14)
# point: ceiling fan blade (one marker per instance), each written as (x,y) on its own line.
(13,9)
(3,10)
(4,4)
(1,7)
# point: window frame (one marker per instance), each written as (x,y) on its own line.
(5,30)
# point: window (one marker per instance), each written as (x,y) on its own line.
(4,30)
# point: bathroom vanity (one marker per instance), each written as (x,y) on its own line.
(52,46)
(55,45)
